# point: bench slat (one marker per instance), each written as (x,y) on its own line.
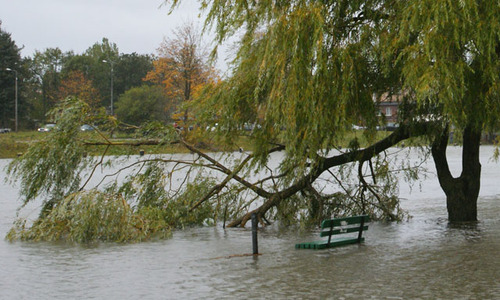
(344,221)
(342,230)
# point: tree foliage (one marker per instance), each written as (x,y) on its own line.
(182,67)
(311,68)
(46,69)
(76,85)
(141,104)
(305,71)
(10,57)
(130,69)
(92,217)
(142,207)
(41,172)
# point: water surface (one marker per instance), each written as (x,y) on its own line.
(424,258)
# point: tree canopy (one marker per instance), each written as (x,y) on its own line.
(313,68)
(143,103)
(182,67)
(10,57)
(304,73)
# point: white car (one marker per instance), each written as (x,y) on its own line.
(47,128)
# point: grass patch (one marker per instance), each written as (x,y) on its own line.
(13,144)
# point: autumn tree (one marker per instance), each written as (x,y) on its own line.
(77,85)
(182,66)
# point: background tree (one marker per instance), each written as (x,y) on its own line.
(91,64)
(103,57)
(46,68)
(76,85)
(96,63)
(142,104)
(130,69)
(10,57)
(182,66)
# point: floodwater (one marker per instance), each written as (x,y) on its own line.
(424,258)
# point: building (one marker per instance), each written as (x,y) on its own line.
(388,105)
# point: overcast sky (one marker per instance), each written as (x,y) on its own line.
(134,25)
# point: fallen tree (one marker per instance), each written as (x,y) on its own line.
(58,170)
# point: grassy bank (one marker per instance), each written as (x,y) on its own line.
(14,144)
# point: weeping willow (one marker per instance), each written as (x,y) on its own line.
(304,72)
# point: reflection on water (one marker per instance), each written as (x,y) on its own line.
(424,258)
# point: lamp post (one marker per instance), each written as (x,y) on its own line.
(111,63)
(15,105)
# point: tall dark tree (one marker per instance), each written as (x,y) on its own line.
(130,69)
(10,58)
(104,57)
(46,67)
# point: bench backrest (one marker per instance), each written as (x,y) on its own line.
(344,225)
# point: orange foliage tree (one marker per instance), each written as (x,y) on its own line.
(76,84)
(182,67)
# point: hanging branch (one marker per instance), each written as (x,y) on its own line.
(401,133)
(217,188)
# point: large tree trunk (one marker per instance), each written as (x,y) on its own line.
(461,192)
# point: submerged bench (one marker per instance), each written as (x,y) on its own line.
(339,226)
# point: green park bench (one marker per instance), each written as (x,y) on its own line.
(339,226)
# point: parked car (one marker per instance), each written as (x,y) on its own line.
(86,127)
(47,128)
(357,127)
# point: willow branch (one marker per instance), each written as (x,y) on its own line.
(219,186)
(95,167)
(259,191)
(402,133)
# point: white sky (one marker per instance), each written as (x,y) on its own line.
(133,25)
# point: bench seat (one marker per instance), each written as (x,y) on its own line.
(323,244)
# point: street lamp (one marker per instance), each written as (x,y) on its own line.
(15,107)
(111,63)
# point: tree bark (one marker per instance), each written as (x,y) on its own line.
(461,192)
